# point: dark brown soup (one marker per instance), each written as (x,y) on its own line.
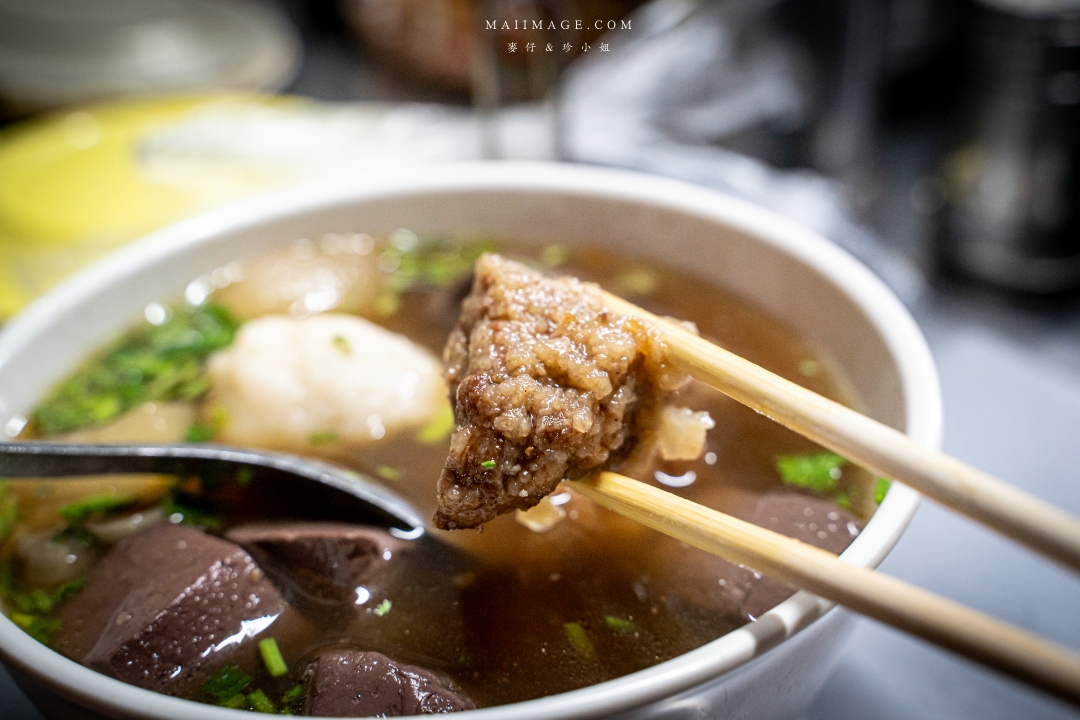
(566,596)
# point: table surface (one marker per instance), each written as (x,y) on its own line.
(1011,381)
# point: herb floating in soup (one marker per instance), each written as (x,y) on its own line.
(230,590)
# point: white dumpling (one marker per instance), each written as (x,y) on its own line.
(303,384)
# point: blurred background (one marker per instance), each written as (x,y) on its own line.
(937,140)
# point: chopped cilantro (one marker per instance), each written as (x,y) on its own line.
(28,610)
(271,655)
(39,628)
(817,472)
(881,487)
(432,261)
(151,363)
(78,533)
(383,607)
(388,473)
(619,624)
(488,464)
(78,512)
(38,601)
(260,703)
(323,437)
(342,344)
(226,683)
(579,639)
(68,589)
(438,428)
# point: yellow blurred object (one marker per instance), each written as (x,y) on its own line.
(73,186)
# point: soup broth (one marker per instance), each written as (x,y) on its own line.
(528,605)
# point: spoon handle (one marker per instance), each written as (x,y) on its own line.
(44,459)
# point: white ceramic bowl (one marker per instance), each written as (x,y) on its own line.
(771,668)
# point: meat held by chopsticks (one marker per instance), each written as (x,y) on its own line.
(546,384)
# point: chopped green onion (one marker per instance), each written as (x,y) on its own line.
(194,510)
(620,625)
(207,431)
(342,344)
(244,476)
(488,464)
(37,600)
(260,703)
(554,255)
(238,701)
(226,683)
(200,433)
(102,504)
(9,509)
(387,304)
(388,473)
(639,281)
(322,437)
(271,655)
(817,472)
(843,501)
(438,428)
(809,368)
(881,487)
(383,607)
(293,694)
(579,639)
(67,590)
(431,262)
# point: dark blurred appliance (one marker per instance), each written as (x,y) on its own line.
(1012,179)
(805,83)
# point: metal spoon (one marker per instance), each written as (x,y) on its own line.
(348,493)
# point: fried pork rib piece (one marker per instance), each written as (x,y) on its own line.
(546,384)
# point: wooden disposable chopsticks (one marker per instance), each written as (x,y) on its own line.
(1000,646)
(871,444)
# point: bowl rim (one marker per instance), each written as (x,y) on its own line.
(899,332)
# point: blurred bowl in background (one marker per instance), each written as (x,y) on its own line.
(63,52)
